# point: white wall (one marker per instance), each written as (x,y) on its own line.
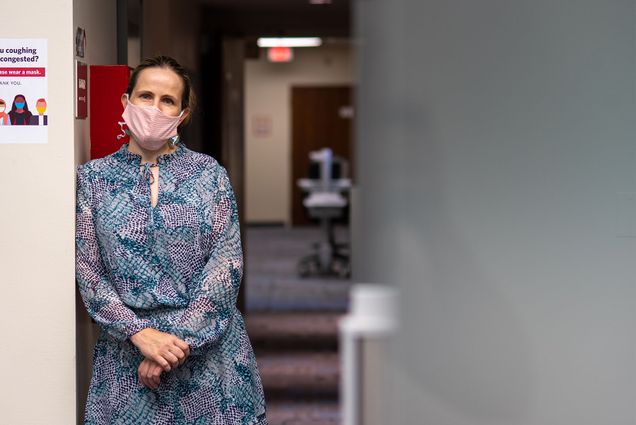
(496,171)
(37,276)
(268,94)
(99,19)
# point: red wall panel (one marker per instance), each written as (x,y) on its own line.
(107,83)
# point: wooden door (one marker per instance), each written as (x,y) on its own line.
(321,118)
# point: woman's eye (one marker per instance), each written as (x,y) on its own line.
(169,101)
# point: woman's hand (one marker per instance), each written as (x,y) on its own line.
(149,373)
(163,348)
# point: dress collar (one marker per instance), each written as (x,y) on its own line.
(126,155)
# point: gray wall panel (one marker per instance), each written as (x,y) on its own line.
(496,172)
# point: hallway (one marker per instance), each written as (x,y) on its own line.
(292,324)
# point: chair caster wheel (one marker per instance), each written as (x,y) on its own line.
(341,268)
(307,268)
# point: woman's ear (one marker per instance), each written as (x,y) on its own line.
(124,100)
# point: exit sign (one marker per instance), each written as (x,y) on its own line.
(280,54)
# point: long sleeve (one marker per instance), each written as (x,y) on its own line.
(100,298)
(213,300)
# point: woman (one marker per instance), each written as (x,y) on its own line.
(4,117)
(20,114)
(159,264)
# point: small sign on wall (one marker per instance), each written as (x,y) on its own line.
(262,126)
(23,91)
(81,90)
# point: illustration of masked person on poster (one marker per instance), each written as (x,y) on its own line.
(4,117)
(20,114)
(40,118)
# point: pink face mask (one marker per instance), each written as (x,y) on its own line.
(150,127)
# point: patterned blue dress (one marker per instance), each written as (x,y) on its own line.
(175,267)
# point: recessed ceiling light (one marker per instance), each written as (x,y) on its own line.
(289,42)
(319,1)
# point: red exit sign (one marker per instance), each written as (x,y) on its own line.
(280,54)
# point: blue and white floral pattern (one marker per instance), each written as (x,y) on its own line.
(175,267)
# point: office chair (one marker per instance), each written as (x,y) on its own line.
(326,203)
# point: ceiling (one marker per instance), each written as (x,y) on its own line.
(278,5)
(278,17)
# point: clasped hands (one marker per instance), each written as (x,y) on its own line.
(162,352)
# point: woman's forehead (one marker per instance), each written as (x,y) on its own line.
(160,79)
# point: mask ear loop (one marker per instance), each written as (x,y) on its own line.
(124,131)
(175,139)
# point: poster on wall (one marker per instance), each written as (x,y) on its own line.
(23,91)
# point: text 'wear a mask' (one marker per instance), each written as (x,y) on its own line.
(150,127)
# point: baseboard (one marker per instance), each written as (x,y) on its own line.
(265,224)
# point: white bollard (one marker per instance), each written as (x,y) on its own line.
(372,317)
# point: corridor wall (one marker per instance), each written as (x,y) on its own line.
(496,189)
(37,199)
(99,19)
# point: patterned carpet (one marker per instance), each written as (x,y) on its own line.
(292,323)
(271,278)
